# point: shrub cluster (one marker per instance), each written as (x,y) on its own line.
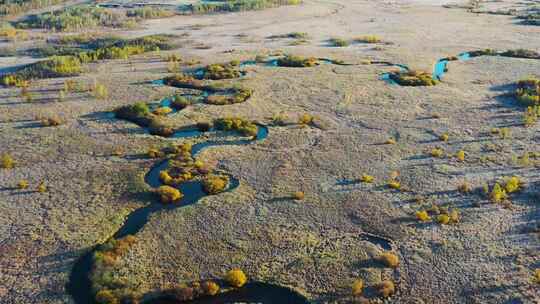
(12,7)
(168,194)
(443,215)
(213,6)
(214,184)
(7,162)
(107,287)
(221,71)
(77,17)
(528,91)
(413,78)
(56,66)
(243,126)
(140,114)
(236,277)
(501,189)
(297,61)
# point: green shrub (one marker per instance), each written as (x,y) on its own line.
(12,7)
(297,61)
(56,66)
(221,71)
(180,102)
(245,127)
(150,13)
(413,78)
(528,91)
(368,39)
(338,42)
(237,5)
(74,18)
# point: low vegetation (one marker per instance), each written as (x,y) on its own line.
(168,194)
(413,78)
(338,42)
(213,6)
(297,61)
(20,6)
(357,287)
(236,277)
(389,259)
(214,184)
(368,39)
(243,126)
(386,288)
(57,66)
(79,17)
(109,288)
(528,91)
(221,71)
(7,162)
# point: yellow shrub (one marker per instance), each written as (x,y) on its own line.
(389,259)
(444,137)
(437,152)
(23,184)
(169,194)
(214,184)
(165,177)
(465,187)
(423,216)
(210,288)
(513,184)
(454,216)
(357,287)
(298,195)
(460,155)
(236,277)
(367,178)
(394,184)
(153,153)
(498,194)
(386,288)
(42,187)
(306,119)
(390,141)
(7,162)
(443,219)
(162,111)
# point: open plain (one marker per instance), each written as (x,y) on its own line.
(299,163)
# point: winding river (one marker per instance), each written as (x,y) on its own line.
(80,286)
